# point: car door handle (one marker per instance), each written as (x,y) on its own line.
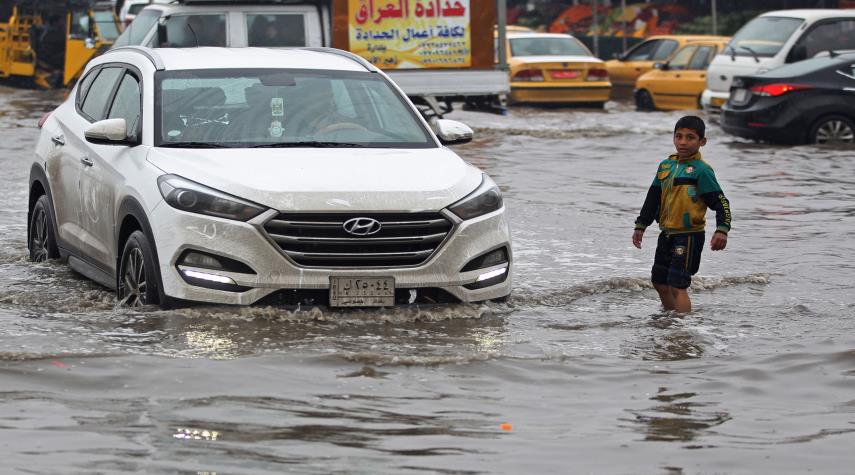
(58,140)
(86,161)
(678,75)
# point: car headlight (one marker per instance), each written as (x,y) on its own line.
(485,199)
(192,197)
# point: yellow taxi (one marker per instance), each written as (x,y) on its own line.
(639,59)
(679,82)
(553,68)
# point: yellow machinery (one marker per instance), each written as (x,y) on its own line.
(48,42)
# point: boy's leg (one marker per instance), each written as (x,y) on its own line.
(682,302)
(665,295)
(685,261)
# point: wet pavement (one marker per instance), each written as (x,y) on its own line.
(583,365)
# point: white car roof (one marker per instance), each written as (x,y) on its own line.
(812,14)
(241,58)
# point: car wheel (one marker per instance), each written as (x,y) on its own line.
(834,129)
(644,101)
(138,283)
(42,241)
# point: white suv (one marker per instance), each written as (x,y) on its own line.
(236,175)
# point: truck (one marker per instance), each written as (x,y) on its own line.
(439,52)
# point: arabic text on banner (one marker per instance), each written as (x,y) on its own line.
(402,34)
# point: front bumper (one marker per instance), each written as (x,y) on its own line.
(176,231)
(549,92)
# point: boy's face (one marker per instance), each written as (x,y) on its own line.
(688,142)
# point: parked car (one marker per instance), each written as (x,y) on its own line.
(553,68)
(626,69)
(678,83)
(228,175)
(812,101)
(774,39)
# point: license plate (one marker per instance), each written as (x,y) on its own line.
(362,291)
(717,101)
(564,74)
(739,95)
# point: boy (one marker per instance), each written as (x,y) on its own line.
(684,187)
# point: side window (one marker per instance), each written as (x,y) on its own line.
(80,27)
(276,30)
(837,35)
(187,31)
(139,28)
(681,59)
(84,86)
(701,59)
(95,104)
(665,50)
(642,52)
(126,104)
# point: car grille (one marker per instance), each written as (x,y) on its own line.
(319,239)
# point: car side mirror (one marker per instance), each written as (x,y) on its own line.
(452,132)
(108,132)
(661,66)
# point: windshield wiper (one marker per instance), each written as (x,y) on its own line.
(194,145)
(309,144)
(732,52)
(753,53)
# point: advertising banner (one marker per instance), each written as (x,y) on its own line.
(411,34)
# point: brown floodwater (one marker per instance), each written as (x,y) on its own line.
(588,371)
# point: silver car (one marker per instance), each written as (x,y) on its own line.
(241,175)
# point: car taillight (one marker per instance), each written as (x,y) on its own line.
(598,75)
(528,75)
(44,119)
(774,90)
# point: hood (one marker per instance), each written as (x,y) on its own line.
(722,70)
(324,179)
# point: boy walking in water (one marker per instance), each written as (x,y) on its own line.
(684,187)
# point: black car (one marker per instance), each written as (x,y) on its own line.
(811,101)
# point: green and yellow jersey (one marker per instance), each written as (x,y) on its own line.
(681,192)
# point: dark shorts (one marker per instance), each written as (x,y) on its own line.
(678,257)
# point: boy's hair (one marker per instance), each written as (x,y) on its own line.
(692,122)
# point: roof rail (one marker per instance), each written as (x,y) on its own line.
(347,54)
(147,52)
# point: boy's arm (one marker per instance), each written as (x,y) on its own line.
(714,198)
(650,208)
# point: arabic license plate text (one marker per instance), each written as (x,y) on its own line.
(362,291)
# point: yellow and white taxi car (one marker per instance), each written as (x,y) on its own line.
(551,68)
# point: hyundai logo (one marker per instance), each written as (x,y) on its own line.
(362,226)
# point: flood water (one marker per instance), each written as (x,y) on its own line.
(588,371)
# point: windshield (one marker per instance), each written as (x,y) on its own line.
(283,107)
(763,36)
(551,46)
(106,23)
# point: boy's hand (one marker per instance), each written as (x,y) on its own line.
(637,236)
(719,241)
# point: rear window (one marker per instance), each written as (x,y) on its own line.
(548,46)
(276,30)
(763,36)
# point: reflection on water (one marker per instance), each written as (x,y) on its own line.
(677,419)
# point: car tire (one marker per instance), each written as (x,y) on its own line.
(832,129)
(644,101)
(138,283)
(42,242)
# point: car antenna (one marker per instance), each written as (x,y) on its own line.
(194,34)
(833,54)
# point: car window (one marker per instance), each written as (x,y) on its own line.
(136,32)
(664,50)
(266,107)
(548,46)
(838,35)
(80,27)
(763,36)
(95,104)
(681,59)
(136,8)
(702,58)
(642,52)
(84,86)
(126,104)
(276,30)
(187,31)
(106,24)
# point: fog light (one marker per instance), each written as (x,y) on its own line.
(490,259)
(204,260)
(491,274)
(209,277)
(487,279)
